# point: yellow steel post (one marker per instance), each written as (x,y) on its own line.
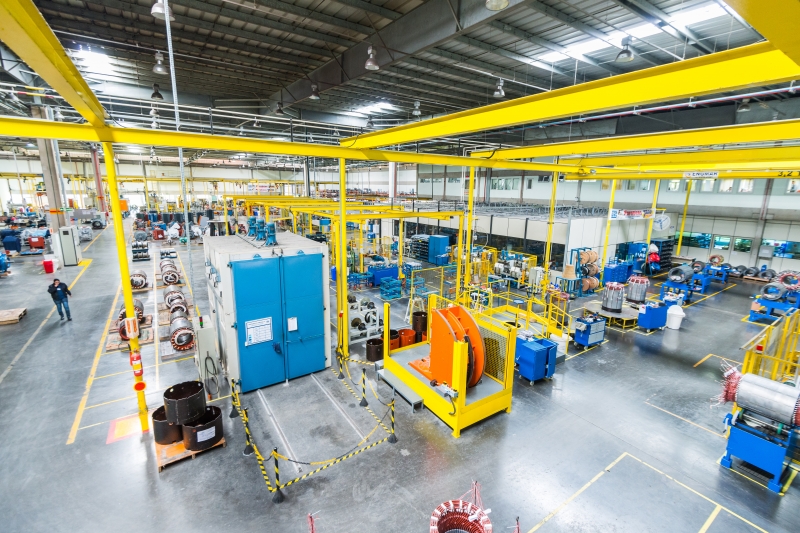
(683,220)
(225,209)
(361,246)
(387,336)
(459,252)
(146,196)
(653,211)
(74,197)
(127,292)
(294,224)
(342,273)
(400,274)
(550,222)
(468,230)
(608,230)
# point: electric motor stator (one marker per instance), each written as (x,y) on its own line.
(138,279)
(138,308)
(171,294)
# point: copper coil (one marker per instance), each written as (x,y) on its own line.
(138,308)
(179,305)
(138,279)
(181,334)
(454,517)
(172,293)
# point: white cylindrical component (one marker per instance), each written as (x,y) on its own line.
(613,296)
(637,289)
(774,400)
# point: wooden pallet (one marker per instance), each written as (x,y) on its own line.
(163,315)
(114,342)
(172,453)
(147,287)
(12,316)
(760,280)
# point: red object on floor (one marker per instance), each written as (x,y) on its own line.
(48,267)
(36,242)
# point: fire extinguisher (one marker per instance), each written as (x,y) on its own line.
(136,363)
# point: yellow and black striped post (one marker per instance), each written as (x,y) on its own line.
(234,397)
(392,437)
(340,358)
(278,497)
(363,388)
(248,449)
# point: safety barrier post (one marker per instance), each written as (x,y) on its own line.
(363,388)
(341,366)
(392,436)
(278,498)
(248,449)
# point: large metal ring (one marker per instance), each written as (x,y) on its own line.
(172,293)
(181,334)
(138,308)
(138,279)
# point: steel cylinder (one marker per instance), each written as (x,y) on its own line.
(172,293)
(419,323)
(374,349)
(637,289)
(138,279)
(138,308)
(181,334)
(184,402)
(394,339)
(769,398)
(613,296)
(772,291)
(681,274)
(179,305)
(165,262)
(170,275)
(698,266)
(176,314)
(205,431)
(163,431)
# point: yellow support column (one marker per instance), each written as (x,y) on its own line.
(468,229)
(400,274)
(459,252)
(342,273)
(146,196)
(653,211)
(124,271)
(361,246)
(225,209)
(608,229)
(689,184)
(550,222)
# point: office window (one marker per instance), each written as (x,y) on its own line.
(690,185)
(631,185)
(793,187)
(544,179)
(725,185)
(644,185)
(746,186)
(722,242)
(742,245)
(787,249)
(707,186)
(674,185)
(605,185)
(695,240)
(530,183)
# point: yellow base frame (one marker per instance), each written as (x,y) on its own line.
(464,415)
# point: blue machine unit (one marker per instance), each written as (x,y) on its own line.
(717,273)
(271,309)
(589,330)
(437,246)
(653,315)
(270,234)
(377,273)
(773,309)
(618,272)
(536,359)
(251,227)
(699,283)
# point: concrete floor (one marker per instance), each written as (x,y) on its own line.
(622,439)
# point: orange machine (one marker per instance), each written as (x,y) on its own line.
(447,327)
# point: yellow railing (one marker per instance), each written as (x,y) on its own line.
(773,353)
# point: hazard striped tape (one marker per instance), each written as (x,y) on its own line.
(357,397)
(337,461)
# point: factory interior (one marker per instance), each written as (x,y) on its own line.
(343,266)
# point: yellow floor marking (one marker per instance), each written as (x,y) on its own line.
(580,491)
(188,284)
(155,327)
(36,332)
(145,367)
(703,360)
(97,236)
(732,285)
(73,432)
(586,350)
(122,428)
(220,398)
(710,519)
(109,402)
(685,420)
(788,482)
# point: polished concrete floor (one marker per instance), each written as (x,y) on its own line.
(624,438)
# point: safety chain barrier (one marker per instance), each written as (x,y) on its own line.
(340,375)
(252,449)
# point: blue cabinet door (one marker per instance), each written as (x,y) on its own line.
(304,310)
(257,295)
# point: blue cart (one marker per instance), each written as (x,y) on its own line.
(589,331)
(653,315)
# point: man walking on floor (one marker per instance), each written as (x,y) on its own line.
(60,292)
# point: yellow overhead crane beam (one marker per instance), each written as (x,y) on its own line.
(769,157)
(749,66)
(776,20)
(709,174)
(759,132)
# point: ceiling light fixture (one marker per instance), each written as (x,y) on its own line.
(496,5)
(499,92)
(744,107)
(160,11)
(371,63)
(416,112)
(160,68)
(156,95)
(314,92)
(625,55)
(30,145)
(279,109)
(370,124)
(153,111)
(154,124)
(58,115)
(13,96)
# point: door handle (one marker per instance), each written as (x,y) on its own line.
(277,347)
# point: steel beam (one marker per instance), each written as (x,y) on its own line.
(369,7)
(727,156)
(502,52)
(690,175)
(755,65)
(660,20)
(724,135)
(23,28)
(476,65)
(773,21)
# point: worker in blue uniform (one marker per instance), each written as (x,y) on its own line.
(60,293)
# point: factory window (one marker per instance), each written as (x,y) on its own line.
(530,183)
(619,184)
(631,185)
(690,185)
(674,185)
(424,180)
(721,242)
(453,180)
(645,185)
(742,245)
(725,185)
(787,249)
(695,240)
(793,187)
(604,185)
(746,185)
(544,179)
(707,185)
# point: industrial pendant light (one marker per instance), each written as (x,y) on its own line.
(371,63)
(370,124)
(496,5)
(159,9)
(153,110)
(314,92)
(58,115)
(279,109)
(499,92)
(160,68)
(744,107)
(416,111)
(625,55)
(156,95)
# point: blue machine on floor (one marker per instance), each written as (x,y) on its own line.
(718,272)
(589,330)
(4,262)
(536,358)
(652,315)
(774,301)
(261,230)
(378,271)
(270,231)
(763,428)
(251,227)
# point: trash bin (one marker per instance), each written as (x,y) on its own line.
(561,342)
(675,317)
(48,267)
